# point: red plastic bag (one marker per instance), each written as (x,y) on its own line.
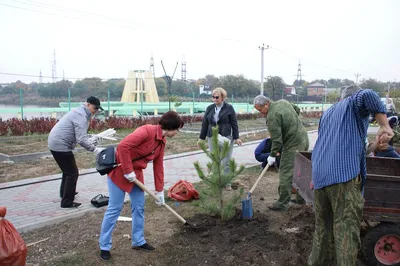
(13,250)
(182,191)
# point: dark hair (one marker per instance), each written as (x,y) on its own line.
(171,121)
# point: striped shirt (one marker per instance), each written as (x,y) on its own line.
(339,153)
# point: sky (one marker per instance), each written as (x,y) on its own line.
(106,39)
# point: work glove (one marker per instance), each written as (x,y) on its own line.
(130,177)
(271,160)
(98,150)
(161,200)
(93,139)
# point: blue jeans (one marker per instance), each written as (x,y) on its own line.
(114,208)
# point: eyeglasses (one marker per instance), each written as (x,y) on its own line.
(216,97)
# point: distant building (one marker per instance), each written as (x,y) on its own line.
(205,89)
(290,91)
(2,85)
(316,89)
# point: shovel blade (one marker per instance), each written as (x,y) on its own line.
(247,209)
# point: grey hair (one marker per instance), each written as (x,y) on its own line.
(347,91)
(261,100)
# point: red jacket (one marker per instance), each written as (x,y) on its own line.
(141,142)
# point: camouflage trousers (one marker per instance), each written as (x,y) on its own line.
(338,213)
(286,173)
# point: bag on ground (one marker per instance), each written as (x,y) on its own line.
(183,191)
(100,201)
(13,250)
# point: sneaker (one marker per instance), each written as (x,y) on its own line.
(74,205)
(105,255)
(145,247)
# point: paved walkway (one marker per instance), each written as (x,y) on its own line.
(34,203)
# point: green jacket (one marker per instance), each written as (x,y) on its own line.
(284,126)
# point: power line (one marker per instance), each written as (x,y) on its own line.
(70,78)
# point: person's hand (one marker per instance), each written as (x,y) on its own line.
(93,139)
(238,141)
(385,134)
(161,200)
(271,160)
(130,177)
(98,150)
(383,146)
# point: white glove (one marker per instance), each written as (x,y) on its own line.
(161,200)
(93,139)
(271,160)
(98,150)
(131,177)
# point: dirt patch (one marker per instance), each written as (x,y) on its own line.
(270,238)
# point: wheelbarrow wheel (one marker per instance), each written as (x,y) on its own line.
(381,245)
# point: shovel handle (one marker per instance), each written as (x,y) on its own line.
(259,179)
(145,189)
(372,148)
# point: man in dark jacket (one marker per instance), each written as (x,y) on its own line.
(69,131)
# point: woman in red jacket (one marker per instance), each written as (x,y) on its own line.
(147,143)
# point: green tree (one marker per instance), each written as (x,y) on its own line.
(332,97)
(212,198)
(373,84)
(275,87)
(161,86)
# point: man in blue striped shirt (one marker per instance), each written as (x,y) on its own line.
(339,171)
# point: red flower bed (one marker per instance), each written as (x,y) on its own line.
(16,127)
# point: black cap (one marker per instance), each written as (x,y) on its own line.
(95,101)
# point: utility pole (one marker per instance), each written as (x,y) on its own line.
(54,67)
(262,48)
(40,77)
(357,75)
(152,66)
(169,83)
(183,69)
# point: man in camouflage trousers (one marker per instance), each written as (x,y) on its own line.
(287,132)
(339,171)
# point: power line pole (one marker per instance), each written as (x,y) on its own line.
(152,66)
(357,75)
(299,75)
(54,67)
(262,48)
(40,77)
(183,69)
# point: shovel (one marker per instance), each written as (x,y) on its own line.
(139,184)
(247,204)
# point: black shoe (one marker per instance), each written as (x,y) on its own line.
(145,247)
(105,255)
(74,205)
(76,193)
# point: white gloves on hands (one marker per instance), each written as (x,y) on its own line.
(98,150)
(271,160)
(161,200)
(93,139)
(130,177)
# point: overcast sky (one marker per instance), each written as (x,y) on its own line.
(333,39)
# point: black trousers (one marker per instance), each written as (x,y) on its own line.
(66,162)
